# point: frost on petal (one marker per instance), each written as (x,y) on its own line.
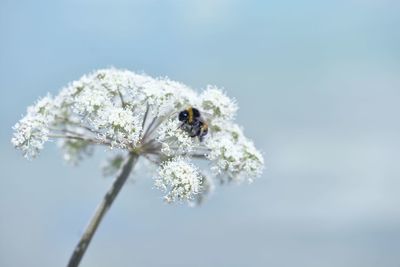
(218,104)
(179,179)
(32,131)
(234,155)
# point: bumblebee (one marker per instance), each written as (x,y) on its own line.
(193,123)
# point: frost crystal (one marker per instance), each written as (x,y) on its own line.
(136,113)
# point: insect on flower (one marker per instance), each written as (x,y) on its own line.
(156,119)
(135,115)
(193,123)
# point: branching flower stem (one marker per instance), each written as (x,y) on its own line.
(108,199)
(102,209)
(139,115)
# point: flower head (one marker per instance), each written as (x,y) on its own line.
(131,112)
(32,131)
(234,155)
(179,178)
(216,102)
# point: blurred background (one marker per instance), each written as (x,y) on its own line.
(318,83)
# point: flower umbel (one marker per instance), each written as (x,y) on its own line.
(136,113)
(179,178)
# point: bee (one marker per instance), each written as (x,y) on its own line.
(193,123)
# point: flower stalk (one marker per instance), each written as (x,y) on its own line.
(101,210)
(136,114)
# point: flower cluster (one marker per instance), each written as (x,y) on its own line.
(134,112)
(32,131)
(179,178)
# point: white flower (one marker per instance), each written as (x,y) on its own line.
(173,139)
(135,113)
(216,102)
(179,179)
(234,155)
(32,131)
(122,125)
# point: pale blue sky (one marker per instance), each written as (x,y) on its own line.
(318,85)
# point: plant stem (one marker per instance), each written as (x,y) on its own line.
(101,210)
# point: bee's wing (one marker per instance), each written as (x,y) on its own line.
(206,115)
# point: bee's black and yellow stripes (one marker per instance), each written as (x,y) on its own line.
(204,128)
(190,115)
(193,123)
